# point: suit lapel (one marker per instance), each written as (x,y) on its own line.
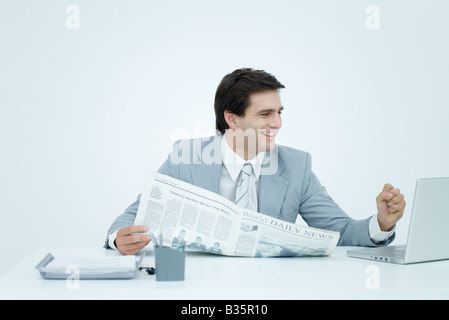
(272,187)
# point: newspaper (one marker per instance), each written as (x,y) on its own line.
(180,214)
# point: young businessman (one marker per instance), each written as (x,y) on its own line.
(244,164)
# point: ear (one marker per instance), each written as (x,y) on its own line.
(231,119)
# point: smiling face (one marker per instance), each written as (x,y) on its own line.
(259,124)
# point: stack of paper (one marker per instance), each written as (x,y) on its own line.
(122,267)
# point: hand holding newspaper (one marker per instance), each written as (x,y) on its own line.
(180,214)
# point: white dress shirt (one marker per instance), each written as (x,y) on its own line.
(230,174)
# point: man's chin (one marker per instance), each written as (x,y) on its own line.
(270,146)
(266,146)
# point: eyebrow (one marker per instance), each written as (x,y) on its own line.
(270,110)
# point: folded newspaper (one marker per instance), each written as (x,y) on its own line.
(180,214)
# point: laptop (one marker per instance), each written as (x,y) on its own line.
(428,236)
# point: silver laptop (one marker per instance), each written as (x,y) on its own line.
(428,236)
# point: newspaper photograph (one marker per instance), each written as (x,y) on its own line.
(179,214)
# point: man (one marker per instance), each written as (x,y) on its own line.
(244,164)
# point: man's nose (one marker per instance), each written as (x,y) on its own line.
(276,121)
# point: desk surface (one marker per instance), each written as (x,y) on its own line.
(210,276)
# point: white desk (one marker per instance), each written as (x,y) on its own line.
(217,277)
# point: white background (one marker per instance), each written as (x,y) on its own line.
(86,113)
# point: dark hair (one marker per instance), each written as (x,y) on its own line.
(234,89)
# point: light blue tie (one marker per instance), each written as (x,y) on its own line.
(241,193)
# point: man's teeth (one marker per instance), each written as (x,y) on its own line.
(270,134)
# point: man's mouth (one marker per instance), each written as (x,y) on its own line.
(268,134)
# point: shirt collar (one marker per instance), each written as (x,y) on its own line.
(234,163)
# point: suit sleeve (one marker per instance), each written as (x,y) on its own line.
(319,210)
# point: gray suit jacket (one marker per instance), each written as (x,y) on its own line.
(287,187)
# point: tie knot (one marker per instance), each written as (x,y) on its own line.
(247,168)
